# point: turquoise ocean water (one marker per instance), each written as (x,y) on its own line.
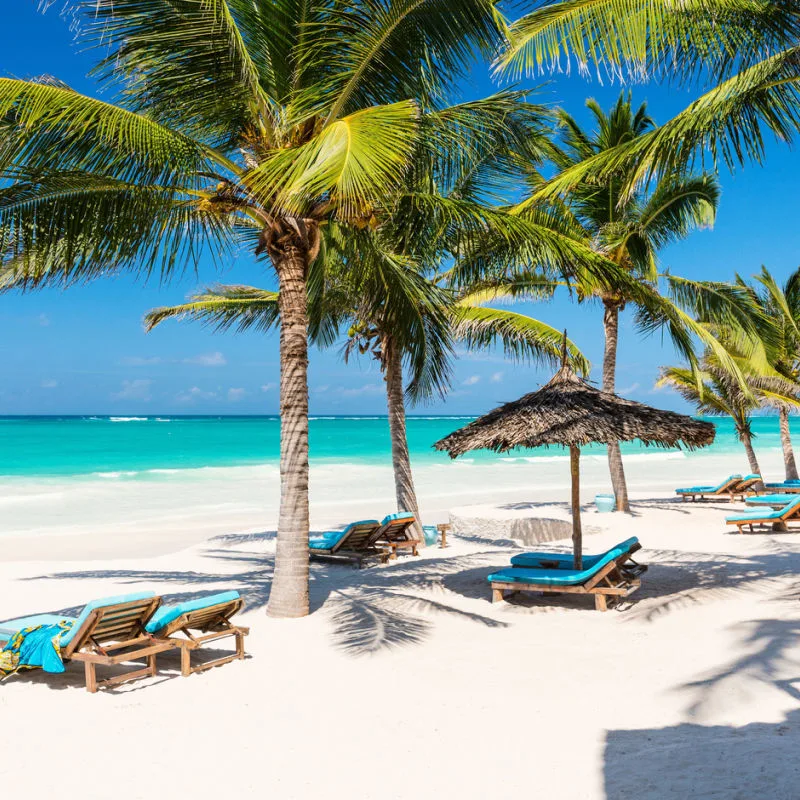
(141,447)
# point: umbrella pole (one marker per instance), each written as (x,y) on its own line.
(577,533)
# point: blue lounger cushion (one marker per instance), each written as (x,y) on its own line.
(794,505)
(95,604)
(794,484)
(399,515)
(8,629)
(327,540)
(709,489)
(170,613)
(768,500)
(554,577)
(534,560)
(13,626)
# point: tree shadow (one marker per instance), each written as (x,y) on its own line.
(770,653)
(679,579)
(717,762)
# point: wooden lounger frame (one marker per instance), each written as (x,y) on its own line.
(731,489)
(114,635)
(358,545)
(397,534)
(617,579)
(214,623)
(745,488)
(777,523)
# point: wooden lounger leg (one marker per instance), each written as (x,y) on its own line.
(91,677)
(497,595)
(600,602)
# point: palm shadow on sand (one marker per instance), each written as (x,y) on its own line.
(385,608)
(719,762)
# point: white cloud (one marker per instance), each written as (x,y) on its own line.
(497,377)
(207,360)
(628,389)
(268,387)
(472,380)
(49,384)
(235,395)
(320,389)
(195,393)
(43,320)
(133,390)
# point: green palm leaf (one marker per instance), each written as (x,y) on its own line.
(521,337)
(354,162)
(50,127)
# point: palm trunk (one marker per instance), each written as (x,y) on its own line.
(577,532)
(289,594)
(786,442)
(615,467)
(747,441)
(401,460)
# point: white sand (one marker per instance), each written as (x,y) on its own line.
(406,682)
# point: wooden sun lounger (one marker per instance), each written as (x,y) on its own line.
(744,488)
(357,545)
(618,578)
(398,534)
(777,520)
(211,624)
(115,635)
(110,635)
(728,487)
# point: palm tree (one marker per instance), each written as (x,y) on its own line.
(626,228)
(743,54)
(236,125)
(780,333)
(718,392)
(423,323)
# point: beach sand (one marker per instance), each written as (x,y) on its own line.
(406,682)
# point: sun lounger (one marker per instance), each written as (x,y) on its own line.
(778,518)
(565,560)
(787,487)
(745,487)
(725,488)
(108,632)
(354,543)
(194,623)
(397,532)
(614,576)
(774,500)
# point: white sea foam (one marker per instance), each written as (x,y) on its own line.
(116,474)
(127,419)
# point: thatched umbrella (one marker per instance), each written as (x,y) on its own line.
(568,411)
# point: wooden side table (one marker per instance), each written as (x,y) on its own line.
(444,528)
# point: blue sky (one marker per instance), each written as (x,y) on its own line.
(84,350)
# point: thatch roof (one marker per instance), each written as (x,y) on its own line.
(568,411)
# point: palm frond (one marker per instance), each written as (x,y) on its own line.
(353,163)
(635,39)
(223,308)
(49,127)
(522,337)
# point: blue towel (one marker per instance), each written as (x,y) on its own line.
(34,648)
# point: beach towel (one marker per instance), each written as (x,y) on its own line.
(37,647)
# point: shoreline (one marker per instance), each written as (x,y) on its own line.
(74,518)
